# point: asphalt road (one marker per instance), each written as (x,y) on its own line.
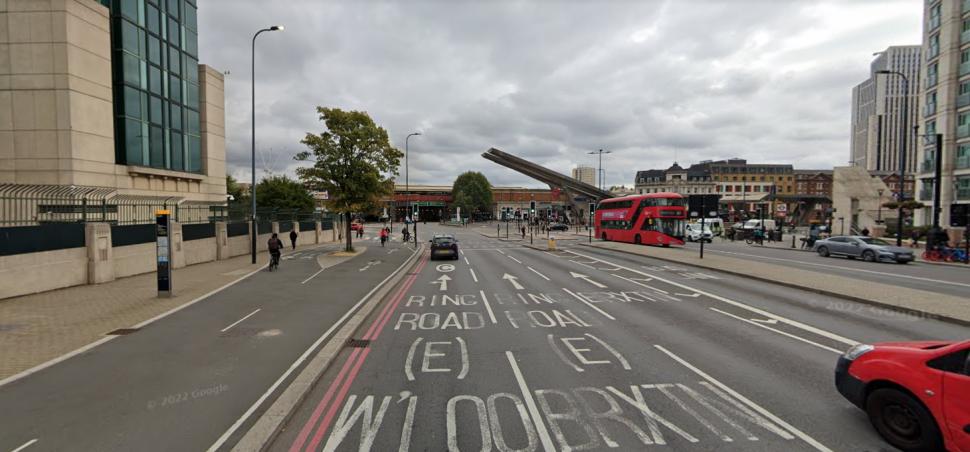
(944,279)
(510,348)
(182,382)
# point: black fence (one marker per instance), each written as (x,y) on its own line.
(327,224)
(198,231)
(132,234)
(308,226)
(286,226)
(46,237)
(237,229)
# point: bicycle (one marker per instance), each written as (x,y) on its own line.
(274,261)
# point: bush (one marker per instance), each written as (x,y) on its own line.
(907,230)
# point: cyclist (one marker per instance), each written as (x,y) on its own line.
(275,246)
(384,232)
(406,234)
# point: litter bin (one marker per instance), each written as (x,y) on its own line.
(552,244)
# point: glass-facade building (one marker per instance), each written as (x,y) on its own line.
(155,75)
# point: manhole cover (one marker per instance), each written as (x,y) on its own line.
(358,343)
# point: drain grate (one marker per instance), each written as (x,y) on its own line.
(358,343)
(122,331)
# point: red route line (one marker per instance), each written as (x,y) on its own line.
(354,363)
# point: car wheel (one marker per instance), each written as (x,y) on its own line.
(636,239)
(903,421)
(822,251)
(868,256)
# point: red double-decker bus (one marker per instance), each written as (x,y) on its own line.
(650,219)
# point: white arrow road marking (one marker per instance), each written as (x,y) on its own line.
(392,251)
(823,347)
(442,282)
(369,265)
(582,276)
(514,281)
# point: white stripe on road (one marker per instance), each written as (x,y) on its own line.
(531,404)
(791,322)
(499,250)
(237,322)
(837,352)
(313,275)
(513,258)
(26,445)
(540,274)
(837,267)
(589,304)
(473,274)
(466,260)
(808,439)
(488,307)
(641,284)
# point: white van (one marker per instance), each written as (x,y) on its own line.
(693,232)
(756,224)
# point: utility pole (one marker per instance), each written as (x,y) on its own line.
(600,170)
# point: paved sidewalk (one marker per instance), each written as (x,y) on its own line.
(947,307)
(39,327)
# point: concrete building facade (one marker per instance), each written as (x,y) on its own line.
(878,111)
(585,174)
(694,180)
(111,98)
(945,106)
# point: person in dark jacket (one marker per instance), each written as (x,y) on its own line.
(293,236)
(275,246)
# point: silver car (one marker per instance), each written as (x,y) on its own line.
(868,248)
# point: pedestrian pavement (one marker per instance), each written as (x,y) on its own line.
(39,327)
(917,302)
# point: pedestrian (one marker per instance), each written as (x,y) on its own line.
(914,238)
(405,235)
(865,232)
(383,235)
(293,236)
(523,232)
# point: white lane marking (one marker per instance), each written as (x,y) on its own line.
(249,412)
(536,272)
(808,439)
(531,404)
(642,284)
(237,322)
(762,312)
(761,325)
(589,304)
(514,280)
(892,275)
(513,258)
(488,307)
(587,279)
(466,260)
(313,275)
(473,274)
(693,295)
(25,445)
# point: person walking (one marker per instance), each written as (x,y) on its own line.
(523,232)
(275,246)
(914,238)
(383,236)
(865,232)
(405,234)
(293,236)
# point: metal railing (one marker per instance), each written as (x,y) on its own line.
(963,100)
(929,109)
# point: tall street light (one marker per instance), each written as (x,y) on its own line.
(407,187)
(904,113)
(252,188)
(600,171)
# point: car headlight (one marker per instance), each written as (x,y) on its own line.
(857,350)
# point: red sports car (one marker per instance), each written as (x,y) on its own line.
(917,394)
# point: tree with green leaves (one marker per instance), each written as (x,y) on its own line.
(233,189)
(353,161)
(472,192)
(283,193)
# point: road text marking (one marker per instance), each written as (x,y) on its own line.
(580,298)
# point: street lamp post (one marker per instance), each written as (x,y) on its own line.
(600,170)
(904,113)
(879,215)
(252,188)
(407,188)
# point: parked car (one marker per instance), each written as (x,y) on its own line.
(868,248)
(917,394)
(693,233)
(558,227)
(444,246)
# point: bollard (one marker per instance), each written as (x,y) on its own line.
(552,244)
(793,241)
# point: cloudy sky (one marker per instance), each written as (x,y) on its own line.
(649,80)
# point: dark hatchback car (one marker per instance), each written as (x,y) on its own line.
(558,227)
(444,246)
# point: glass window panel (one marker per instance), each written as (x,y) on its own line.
(132,100)
(131,69)
(133,148)
(191,17)
(174,60)
(191,67)
(154,50)
(156,141)
(129,8)
(175,89)
(175,151)
(173,7)
(129,37)
(155,110)
(155,80)
(173,32)
(175,119)
(152,18)
(191,42)
(142,74)
(192,122)
(195,154)
(141,42)
(192,95)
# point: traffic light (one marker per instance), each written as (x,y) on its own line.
(532,207)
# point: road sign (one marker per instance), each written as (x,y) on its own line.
(781,208)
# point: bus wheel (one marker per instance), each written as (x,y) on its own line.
(666,245)
(636,239)
(604,237)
